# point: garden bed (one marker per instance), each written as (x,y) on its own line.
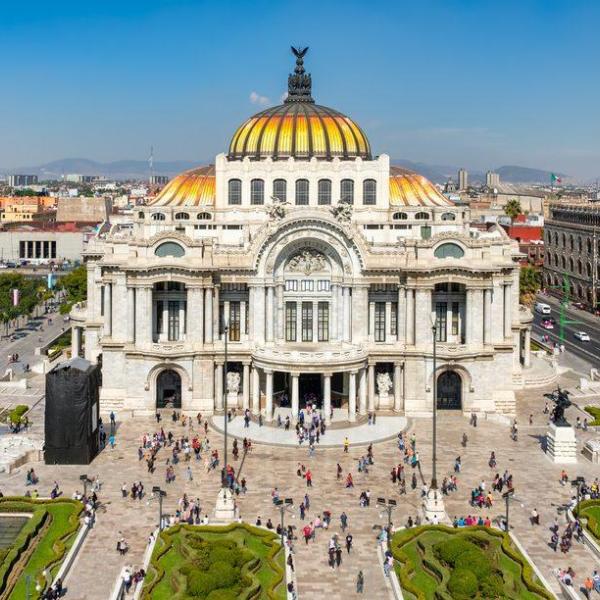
(230,562)
(42,543)
(443,563)
(589,513)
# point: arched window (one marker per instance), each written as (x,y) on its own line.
(564,262)
(140,215)
(369,192)
(169,249)
(182,216)
(400,216)
(448,216)
(204,216)
(580,267)
(158,217)
(571,242)
(347,190)
(449,250)
(579,244)
(280,189)
(589,246)
(422,216)
(589,269)
(257,191)
(302,191)
(235,191)
(564,240)
(324,195)
(571,265)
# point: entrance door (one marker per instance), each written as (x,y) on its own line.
(449,391)
(168,389)
(309,389)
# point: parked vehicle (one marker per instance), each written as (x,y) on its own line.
(582,336)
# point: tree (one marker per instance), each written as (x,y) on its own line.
(75,286)
(530,281)
(31,291)
(512,209)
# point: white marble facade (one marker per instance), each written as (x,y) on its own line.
(327,297)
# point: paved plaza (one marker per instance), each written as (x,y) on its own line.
(536,481)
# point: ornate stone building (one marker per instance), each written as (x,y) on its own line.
(325,268)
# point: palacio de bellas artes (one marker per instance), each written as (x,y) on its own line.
(325,271)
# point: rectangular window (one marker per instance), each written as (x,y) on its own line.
(455,313)
(247,321)
(52,249)
(291,285)
(394,318)
(290,321)
(234,321)
(302,191)
(369,191)
(323,285)
(307,322)
(22,247)
(257,191)
(235,191)
(307,285)
(280,189)
(324,194)
(347,191)
(173,308)
(441,312)
(323,322)
(379,322)
(102,301)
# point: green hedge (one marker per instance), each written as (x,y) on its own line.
(16,414)
(589,512)
(594,411)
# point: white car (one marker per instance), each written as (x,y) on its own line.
(582,336)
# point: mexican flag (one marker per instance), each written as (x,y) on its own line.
(554,178)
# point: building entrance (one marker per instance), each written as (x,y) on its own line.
(449,391)
(310,389)
(168,389)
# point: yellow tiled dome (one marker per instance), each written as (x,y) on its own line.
(408,188)
(195,187)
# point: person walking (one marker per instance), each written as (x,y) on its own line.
(360,583)
(348,543)
(344,521)
(346,445)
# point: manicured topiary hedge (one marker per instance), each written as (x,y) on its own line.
(465,564)
(589,512)
(208,562)
(48,534)
(16,414)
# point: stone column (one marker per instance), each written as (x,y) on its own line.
(75,341)
(255,390)
(475,315)
(359,314)
(340,314)
(397,387)
(507,311)
(401,317)
(371,388)
(469,317)
(327,397)
(259,314)
(208,316)
(216,315)
(423,317)
(347,315)
(164,333)
(352,396)
(182,320)
(333,316)
(295,397)
(371,321)
(143,316)
(527,349)
(362,392)
(269,396)
(218,386)
(243,335)
(246,386)
(315,309)
(270,314)
(251,316)
(487,316)
(410,316)
(131,314)
(107,309)
(280,313)
(195,315)
(388,321)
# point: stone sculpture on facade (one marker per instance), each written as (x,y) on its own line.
(307,262)
(277,208)
(384,385)
(342,211)
(233,387)
(562,402)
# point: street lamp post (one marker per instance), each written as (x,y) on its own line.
(282,505)
(160,494)
(577,483)
(388,505)
(224,393)
(84,479)
(508,496)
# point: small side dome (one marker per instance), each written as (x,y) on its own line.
(190,188)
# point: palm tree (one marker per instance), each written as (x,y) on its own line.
(512,209)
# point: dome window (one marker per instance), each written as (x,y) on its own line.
(234,191)
(169,249)
(302,192)
(400,216)
(280,189)
(158,216)
(422,216)
(257,191)
(347,191)
(369,192)
(324,196)
(449,251)
(448,216)
(204,216)
(141,215)
(182,216)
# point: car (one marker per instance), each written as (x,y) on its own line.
(582,336)
(542,308)
(579,305)
(548,324)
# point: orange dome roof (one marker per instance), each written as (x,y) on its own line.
(408,188)
(195,187)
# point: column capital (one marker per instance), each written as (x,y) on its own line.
(219,363)
(353,372)
(327,374)
(295,374)
(246,363)
(399,363)
(268,371)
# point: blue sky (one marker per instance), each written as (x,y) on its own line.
(472,82)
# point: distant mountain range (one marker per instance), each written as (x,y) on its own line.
(140,169)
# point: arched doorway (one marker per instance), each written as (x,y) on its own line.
(449,391)
(168,389)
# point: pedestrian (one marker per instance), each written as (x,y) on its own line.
(360,583)
(338,556)
(346,445)
(349,543)
(344,521)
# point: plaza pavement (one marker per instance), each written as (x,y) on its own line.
(536,481)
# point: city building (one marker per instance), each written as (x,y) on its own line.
(82,209)
(78,178)
(159,179)
(27,209)
(492,180)
(323,271)
(572,246)
(529,234)
(463,179)
(22,180)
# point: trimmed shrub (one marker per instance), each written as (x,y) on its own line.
(476,562)
(449,550)
(463,584)
(492,587)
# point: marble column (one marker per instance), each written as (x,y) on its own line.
(527,349)
(251,317)
(216,314)
(255,390)
(352,396)
(397,387)
(270,313)
(423,317)
(475,315)
(75,342)
(208,315)
(131,314)
(371,321)
(107,331)
(243,325)
(269,396)
(340,313)
(143,316)
(487,316)
(295,397)
(259,314)
(327,397)
(401,317)
(388,322)
(218,386)
(333,314)
(362,391)
(347,314)
(410,316)
(280,313)
(371,388)
(507,311)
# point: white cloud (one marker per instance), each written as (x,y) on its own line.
(256,98)
(283,97)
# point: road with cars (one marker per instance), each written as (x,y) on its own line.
(576,320)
